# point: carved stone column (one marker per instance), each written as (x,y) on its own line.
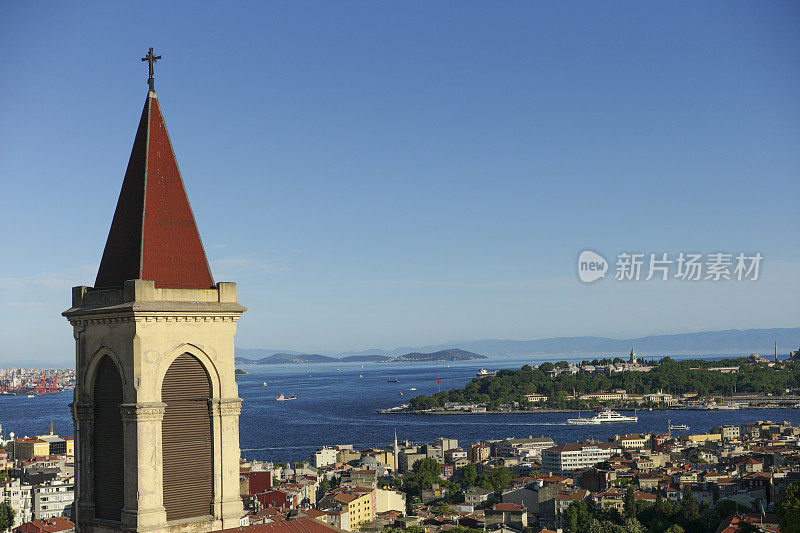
(232,508)
(144,497)
(83,417)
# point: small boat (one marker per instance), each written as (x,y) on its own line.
(483,373)
(678,427)
(284,398)
(30,395)
(361,375)
(265,383)
(401,394)
(392,380)
(413,388)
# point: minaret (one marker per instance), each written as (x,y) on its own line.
(395,450)
(776,351)
(156,406)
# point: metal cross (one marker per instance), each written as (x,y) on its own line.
(150,58)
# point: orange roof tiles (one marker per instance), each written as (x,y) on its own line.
(153,233)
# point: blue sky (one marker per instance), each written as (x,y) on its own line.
(376,174)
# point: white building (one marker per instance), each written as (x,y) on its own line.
(727,432)
(446,443)
(634,441)
(523,448)
(451,456)
(53,498)
(338,517)
(20,496)
(660,397)
(566,458)
(390,500)
(325,457)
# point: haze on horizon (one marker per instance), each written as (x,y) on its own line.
(383,175)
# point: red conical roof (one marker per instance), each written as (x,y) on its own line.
(153,235)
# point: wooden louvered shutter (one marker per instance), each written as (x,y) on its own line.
(108,442)
(186,440)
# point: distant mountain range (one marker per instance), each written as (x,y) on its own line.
(728,342)
(289,358)
(732,341)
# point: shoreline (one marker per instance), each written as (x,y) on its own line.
(786,404)
(544,411)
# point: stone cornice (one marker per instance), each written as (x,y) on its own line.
(82,411)
(225,407)
(142,412)
(83,320)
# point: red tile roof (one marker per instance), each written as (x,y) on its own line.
(750,461)
(735,523)
(296,525)
(508,507)
(153,234)
(48,525)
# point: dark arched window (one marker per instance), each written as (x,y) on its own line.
(107,447)
(186,440)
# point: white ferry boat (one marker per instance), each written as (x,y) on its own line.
(604,417)
(482,373)
(729,406)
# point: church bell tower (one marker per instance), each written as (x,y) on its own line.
(156,406)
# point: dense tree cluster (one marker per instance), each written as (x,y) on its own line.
(789,509)
(426,473)
(7,514)
(669,375)
(659,517)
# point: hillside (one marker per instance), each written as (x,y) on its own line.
(733,341)
(667,375)
(291,358)
(441,355)
(288,359)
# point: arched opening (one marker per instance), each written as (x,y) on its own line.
(186,440)
(107,448)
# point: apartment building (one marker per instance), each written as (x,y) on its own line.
(530,447)
(446,443)
(727,432)
(407,457)
(325,457)
(389,500)
(478,453)
(574,456)
(434,452)
(28,447)
(20,496)
(633,441)
(54,498)
(454,454)
(358,502)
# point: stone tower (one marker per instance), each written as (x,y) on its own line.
(156,406)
